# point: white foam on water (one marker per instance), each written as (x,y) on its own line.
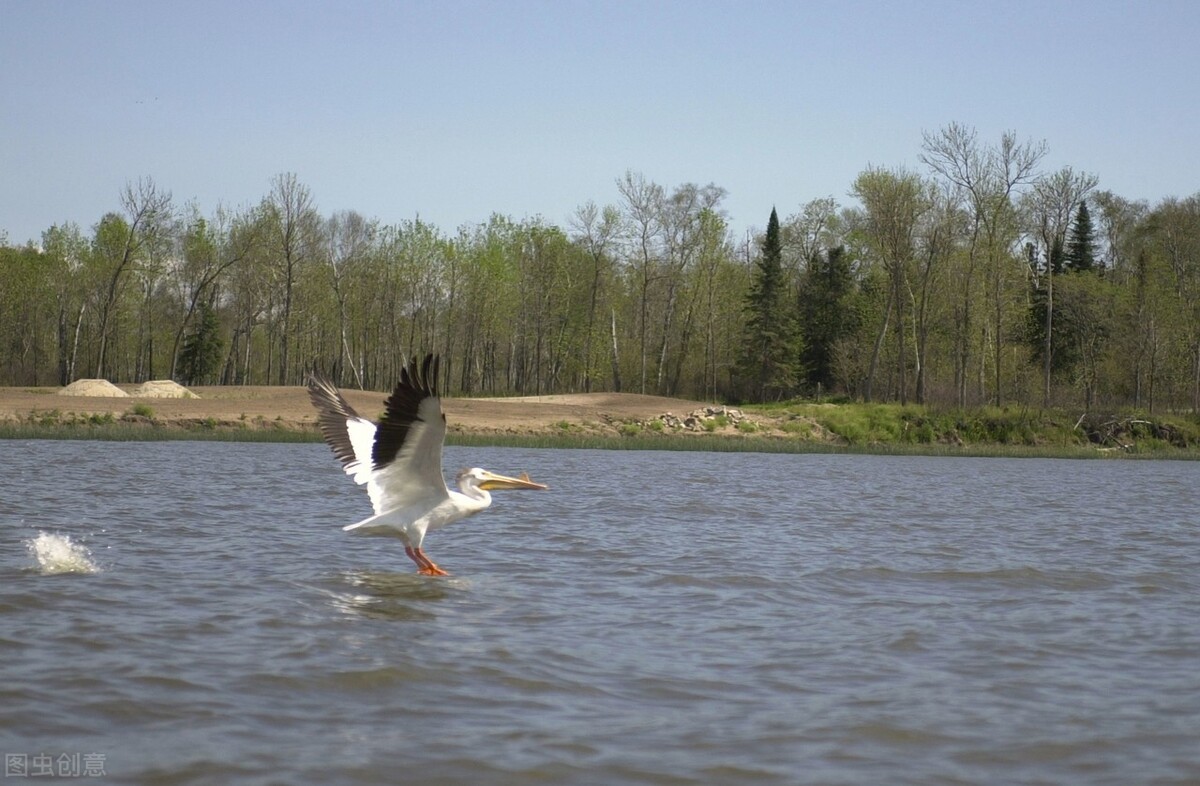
(60,554)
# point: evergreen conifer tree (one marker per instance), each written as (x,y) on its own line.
(201,354)
(826,314)
(768,366)
(1080,254)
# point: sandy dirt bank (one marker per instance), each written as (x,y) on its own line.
(289,407)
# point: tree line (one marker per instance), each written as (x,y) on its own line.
(980,279)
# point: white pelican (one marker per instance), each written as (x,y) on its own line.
(400,460)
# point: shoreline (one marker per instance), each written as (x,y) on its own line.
(604,421)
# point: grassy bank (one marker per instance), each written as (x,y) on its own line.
(734,444)
(992,430)
(794,427)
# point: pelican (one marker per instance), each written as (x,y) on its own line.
(400,460)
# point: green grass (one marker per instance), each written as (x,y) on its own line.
(738,444)
(124,432)
(892,424)
(791,427)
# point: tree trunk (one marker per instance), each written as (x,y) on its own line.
(887,319)
(1047,345)
(1196,378)
(901,360)
(616,357)
(74,356)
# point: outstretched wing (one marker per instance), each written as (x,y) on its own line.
(400,459)
(407,455)
(351,437)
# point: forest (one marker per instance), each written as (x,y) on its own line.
(980,278)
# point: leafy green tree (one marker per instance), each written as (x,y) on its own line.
(1119,231)
(250,299)
(768,365)
(26,305)
(1174,228)
(987,178)
(893,202)
(938,242)
(1048,207)
(653,287)
(66,251)
(490,302)
(1085,306)
(1138,345)
(717,287)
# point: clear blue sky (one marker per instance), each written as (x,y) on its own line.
(455,110)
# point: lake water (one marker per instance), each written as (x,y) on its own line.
(654,618)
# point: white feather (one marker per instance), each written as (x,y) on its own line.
(362,439)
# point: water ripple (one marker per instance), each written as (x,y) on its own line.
(821,619)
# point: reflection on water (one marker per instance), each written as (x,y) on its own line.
(388,595)
(803,619)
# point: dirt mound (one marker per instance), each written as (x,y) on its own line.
(162,388)
(93,387)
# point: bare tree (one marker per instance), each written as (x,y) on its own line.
(681,223)
(210,248)
(595,230)
(805,234)
(348,238)
(986,178)
(293,226)
(938,236)
(643,211)
(125,237)
(1049,206)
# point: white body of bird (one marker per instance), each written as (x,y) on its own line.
(400,460)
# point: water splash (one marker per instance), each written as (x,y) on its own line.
(60,554)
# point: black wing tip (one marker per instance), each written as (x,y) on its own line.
(320,385)
(417,384)
(421,374)
(333,416)
(327,399)
(418,381)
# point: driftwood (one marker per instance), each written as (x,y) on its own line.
(1120,432)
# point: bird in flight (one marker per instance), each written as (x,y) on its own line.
(400,460)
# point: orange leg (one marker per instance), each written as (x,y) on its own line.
(425,565)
